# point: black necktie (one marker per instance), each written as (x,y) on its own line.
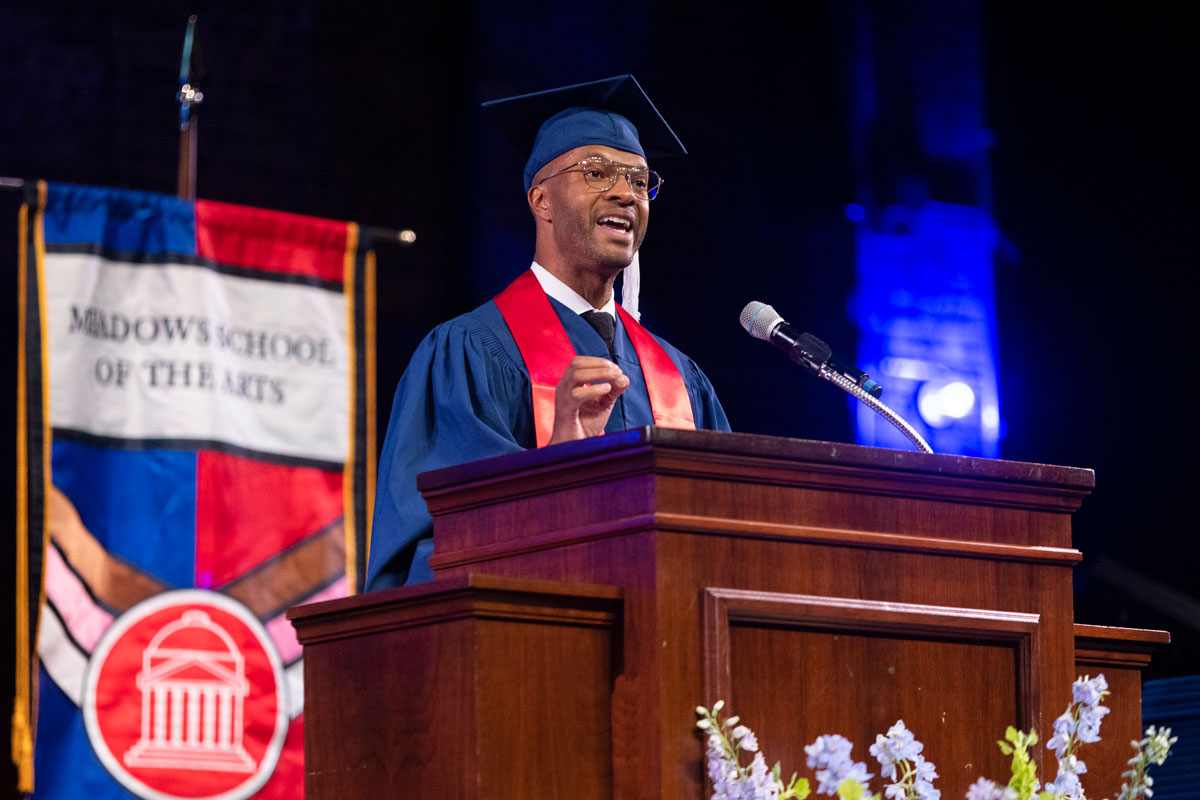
(605,325)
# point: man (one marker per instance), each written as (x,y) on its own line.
(552,358)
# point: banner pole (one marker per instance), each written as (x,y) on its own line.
(189,96)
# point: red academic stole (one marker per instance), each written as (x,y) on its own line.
(546,351)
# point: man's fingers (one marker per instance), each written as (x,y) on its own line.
(599,375)
(600,389)
(591,391)
(589,361)
(590,369)
(603,368)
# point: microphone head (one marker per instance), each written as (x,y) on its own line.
(759,319)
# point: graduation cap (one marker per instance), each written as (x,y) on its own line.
(614,112)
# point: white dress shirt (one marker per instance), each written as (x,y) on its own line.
(568,296)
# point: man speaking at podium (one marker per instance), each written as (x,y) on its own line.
(552,358)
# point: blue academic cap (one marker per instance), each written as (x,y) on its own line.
(614,112)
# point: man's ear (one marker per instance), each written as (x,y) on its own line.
(539,201)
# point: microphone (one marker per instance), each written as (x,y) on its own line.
(763,322)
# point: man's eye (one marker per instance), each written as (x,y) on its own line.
(595,172)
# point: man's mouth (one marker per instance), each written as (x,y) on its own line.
(616,223)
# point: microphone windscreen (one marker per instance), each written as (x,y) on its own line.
(759,319)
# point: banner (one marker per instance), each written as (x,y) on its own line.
(196,454)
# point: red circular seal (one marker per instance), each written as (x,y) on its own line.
(184,698)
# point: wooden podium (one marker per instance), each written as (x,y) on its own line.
(590,595)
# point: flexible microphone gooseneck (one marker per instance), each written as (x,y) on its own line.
(763,322)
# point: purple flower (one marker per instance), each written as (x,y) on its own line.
(983,789)
(923,774)
(899,745)
(745,738)
(925,791)
(856,771)
(721,771)
(1089,692)
(1080,724)
(829,749)
(1089,722)
(1066,784)
(830,757)
(899,755)
(760,785)
(1064,727)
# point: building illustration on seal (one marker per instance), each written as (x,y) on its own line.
(193,689)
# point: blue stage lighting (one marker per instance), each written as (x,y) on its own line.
(925,308)
(942,403)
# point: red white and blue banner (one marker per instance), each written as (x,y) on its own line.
(196,456)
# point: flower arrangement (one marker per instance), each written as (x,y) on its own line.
(901,761)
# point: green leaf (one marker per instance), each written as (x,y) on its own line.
(796,790)
(851,789)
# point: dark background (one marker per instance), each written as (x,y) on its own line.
(369,111)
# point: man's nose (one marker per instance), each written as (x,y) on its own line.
(622,189)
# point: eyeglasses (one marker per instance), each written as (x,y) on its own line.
(601,174)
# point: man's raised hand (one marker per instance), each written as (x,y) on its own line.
(584,398)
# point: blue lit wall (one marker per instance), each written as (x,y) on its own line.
(926,312)
(924,297)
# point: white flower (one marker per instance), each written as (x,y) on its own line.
(1158,744)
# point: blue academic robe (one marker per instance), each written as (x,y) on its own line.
(466,396)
